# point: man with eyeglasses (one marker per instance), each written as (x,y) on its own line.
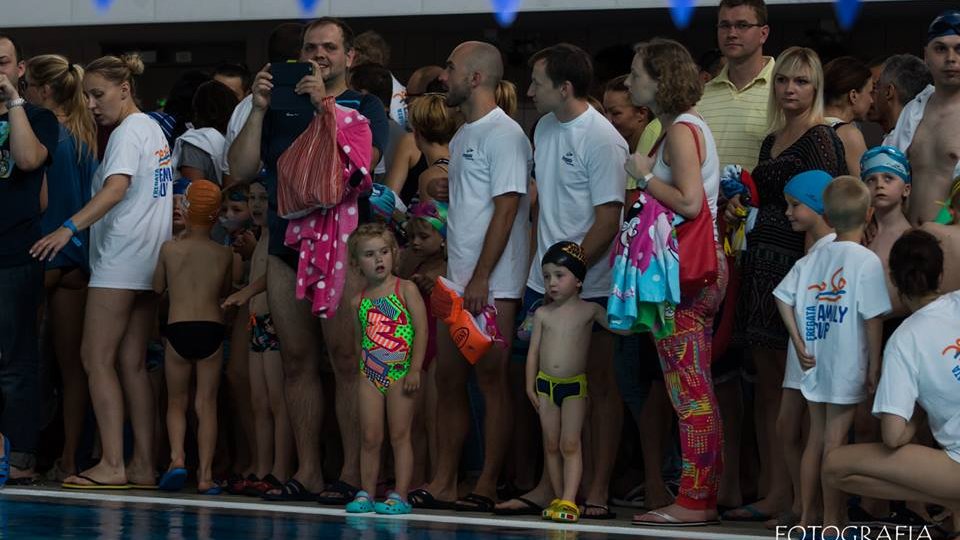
(928,130)
(734,104)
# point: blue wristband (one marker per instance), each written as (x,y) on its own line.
(73,228)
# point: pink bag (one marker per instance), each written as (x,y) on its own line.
(313,172)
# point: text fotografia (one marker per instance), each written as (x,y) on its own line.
(854,532)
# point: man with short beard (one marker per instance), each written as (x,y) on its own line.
(487,246)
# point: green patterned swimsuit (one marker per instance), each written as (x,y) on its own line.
(387,339)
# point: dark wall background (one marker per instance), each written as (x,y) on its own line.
(883,28)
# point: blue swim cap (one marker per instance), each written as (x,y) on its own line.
(807,187)
(946,24)
(885,159)
(180,186)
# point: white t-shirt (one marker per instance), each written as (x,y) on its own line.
(398,103)
(793,374)
(488,157)
(125,243)
(833,290)
(921,364)
(709,169)
(579,166)
(239,117)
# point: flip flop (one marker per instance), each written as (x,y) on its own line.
(346,494)
(550,510)
(292,490)
(607,514)
(529,508)
(24,481)
(752,514)
(475,503)
(215,490)
(173,480)
(93,484)
(421,498)
(148,487)
(670,521)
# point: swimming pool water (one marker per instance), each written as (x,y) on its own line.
(35,519)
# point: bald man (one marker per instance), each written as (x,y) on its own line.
(488,255)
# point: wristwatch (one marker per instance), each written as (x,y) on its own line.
(642,182)
(14,103)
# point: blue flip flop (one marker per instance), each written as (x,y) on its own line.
(215,490)
(5,461)
(173,480)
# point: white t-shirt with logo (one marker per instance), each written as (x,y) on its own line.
(793,374)
(921,364)
(833,291)
(125,243)
(488,157)
(579,165)
(398,103)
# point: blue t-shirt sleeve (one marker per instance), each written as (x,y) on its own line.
(46,129)
(372,108)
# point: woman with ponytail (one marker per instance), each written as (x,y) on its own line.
(129,217)
(920,380)
(55,84)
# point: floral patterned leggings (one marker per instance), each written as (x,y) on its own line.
(685,358)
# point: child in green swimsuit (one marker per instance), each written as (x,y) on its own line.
(556,366)
(392,325)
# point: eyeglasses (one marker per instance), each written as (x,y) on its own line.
(740,26)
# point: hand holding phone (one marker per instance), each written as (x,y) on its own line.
(286,79)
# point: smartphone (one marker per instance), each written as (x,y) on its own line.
(285,79)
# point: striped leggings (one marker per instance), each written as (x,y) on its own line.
(685,358)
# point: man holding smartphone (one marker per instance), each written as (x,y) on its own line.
(328,46)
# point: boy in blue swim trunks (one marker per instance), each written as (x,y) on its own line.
(556,371)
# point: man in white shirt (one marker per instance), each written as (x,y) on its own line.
(580,183)
(488,255)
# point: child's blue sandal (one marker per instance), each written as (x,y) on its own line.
(361,504)
(393,505)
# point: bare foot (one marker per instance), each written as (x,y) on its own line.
(761,510)
(142,475)
(675,514)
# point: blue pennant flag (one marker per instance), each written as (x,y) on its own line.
(308,5)
(505,11)
(847,11)
(102,5)
(681,11)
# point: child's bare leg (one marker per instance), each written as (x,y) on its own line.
(866,429)
(178,373)
(550,425)
(421,460)
(205,402)
(810,465)
(400,407)
(263,423)
(282,433)
(839,419)
(790,432)
(572,414)
(370,403)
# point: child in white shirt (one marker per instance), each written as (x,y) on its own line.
(831,302)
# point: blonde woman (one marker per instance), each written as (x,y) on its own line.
(129,217)
(57,85)
(434,125)
(799,140)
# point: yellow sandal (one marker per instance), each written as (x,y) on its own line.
(566,512)
(550,511)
